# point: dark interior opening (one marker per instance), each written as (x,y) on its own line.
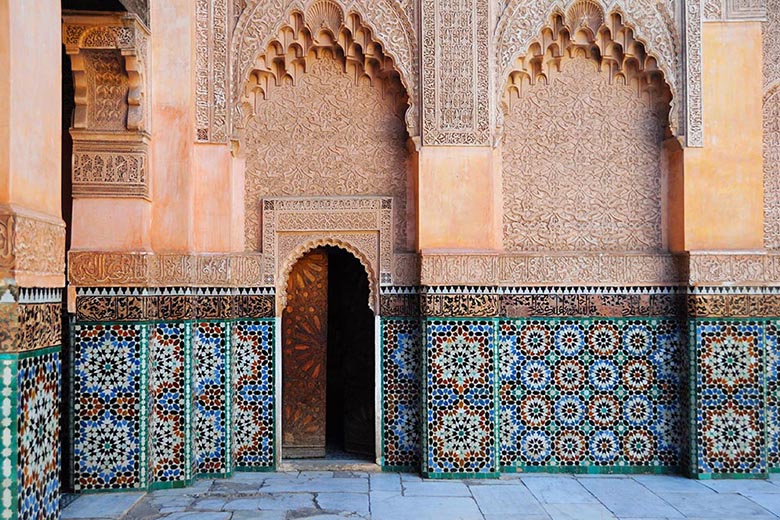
(350,411)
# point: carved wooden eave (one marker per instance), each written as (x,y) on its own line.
(111,121)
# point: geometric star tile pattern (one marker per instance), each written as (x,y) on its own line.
(590,394)
(253,348)
(109,391)
(167,424)
(773,395)
(729,397)
(401,367)
(459,365)
(210,392)
(30,434)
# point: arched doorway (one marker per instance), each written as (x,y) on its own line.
(328,376)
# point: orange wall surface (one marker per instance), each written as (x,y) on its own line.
(111,225)
(218,196)
(724,189)
(459,198)
(172,165)
(30,104)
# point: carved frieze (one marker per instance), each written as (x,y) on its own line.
(734,268)
(111,124)
(96,305)
(30,319)
(456,72)
(32,247)
(114,269)
(460,305)
(530,269)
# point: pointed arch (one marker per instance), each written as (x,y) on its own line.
(271,37)
(286,266)
(524,24)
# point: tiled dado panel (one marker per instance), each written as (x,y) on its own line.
(459,430)
(211,388)
(133,430)
(734,397)
(253,394)
(29,434)
(591,395)
(401,392)
(109,408)
(772,344)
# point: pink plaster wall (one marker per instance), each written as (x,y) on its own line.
(215,190)
(111,225)
(460,198)
(724,189)
(30,104)
(172,165)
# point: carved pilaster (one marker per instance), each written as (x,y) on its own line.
(456,72)
(111,124)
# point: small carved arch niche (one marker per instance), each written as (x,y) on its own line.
(323,30)
(585,30)
(301,251)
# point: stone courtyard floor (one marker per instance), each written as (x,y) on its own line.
(336,495)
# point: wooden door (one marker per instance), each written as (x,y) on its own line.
(304,358)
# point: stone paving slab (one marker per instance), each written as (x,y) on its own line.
(327,495)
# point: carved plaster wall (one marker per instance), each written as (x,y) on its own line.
(265,28)
(328,134)
(582,169)
(771,31)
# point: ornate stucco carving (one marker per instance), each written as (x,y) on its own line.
(772,167)
(114,269)
(571,269)
(691,115)
(361,245)
(771,49)
(32,247)
(364,223)
(267,26)
(581,168)
(456,72)
(212,31)
(326,136)
(110,127)
(734,268)
(734,10)
(653,23)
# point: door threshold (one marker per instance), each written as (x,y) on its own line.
(329,465)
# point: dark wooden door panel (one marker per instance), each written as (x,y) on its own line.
(304,358)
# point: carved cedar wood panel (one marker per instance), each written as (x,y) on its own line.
(772,126)
(582,166)
(304,357)
(327,136)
